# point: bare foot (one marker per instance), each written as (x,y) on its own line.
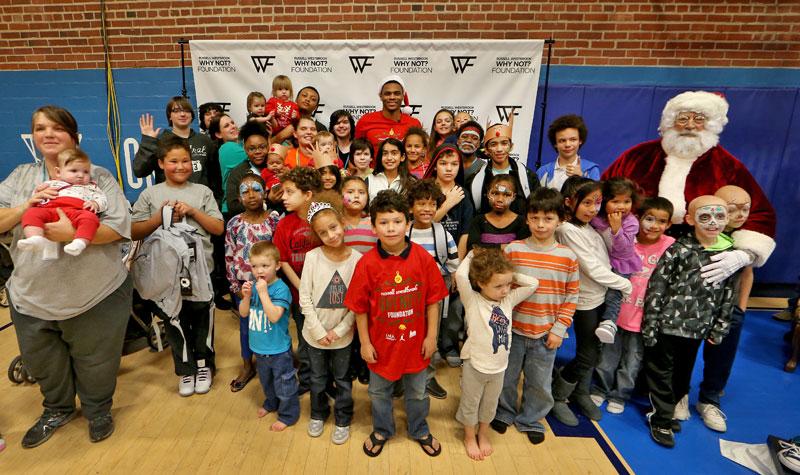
(473,450)
(485,444)
(278,426)
(262,412)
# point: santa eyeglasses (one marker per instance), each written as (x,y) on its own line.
(683,119)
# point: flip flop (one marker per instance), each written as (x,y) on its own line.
(428,442)
(376,443)
(238,384)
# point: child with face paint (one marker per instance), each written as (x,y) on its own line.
(500,225)
(620,361)
(243,230)
(718,359)
(681,310)
(619,227)
(583,199)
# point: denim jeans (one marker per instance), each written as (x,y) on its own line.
(416,401)
(718,360)
(323,364)
(587,351)
(619,365)
(279,380)
(528,356)
(613,302)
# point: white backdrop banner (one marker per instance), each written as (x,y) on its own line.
(492,80)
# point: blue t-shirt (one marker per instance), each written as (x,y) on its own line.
(267,338)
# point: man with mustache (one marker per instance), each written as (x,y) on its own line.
(469,140)
(688,162)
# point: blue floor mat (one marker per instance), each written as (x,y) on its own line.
(761,399)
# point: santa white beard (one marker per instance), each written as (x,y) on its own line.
(682,149)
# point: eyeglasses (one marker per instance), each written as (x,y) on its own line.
(178,110)
(698,119)
(257,148)
(253,185)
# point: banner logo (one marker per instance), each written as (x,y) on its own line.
(357,110)
(414,109)
(360,63)
(215,64)
(513,65)
(461,63)
(311,64)
(506,112)
(318,110)
(225,106)
(261,63)
(411,65)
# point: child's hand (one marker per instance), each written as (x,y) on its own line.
(428,347)
(369,354)
(40,193)
(91,206)
(275,194)
(615,221)
(332,336)
(182,209)
(146,126)
(247,290)
(553,341)
(573,169)
(453,197)
(261,285)
(324,341)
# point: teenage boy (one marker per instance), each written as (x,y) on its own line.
(395,294)
(567,134)
(681,310)
(424,198)
(539,323)
(196,203)
(294,238)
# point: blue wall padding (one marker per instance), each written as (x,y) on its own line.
(619,110)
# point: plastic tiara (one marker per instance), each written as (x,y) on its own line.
(316,207)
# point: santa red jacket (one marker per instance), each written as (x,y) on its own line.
(645,163)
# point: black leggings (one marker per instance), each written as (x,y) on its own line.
(587,353)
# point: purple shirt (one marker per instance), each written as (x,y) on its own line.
(621,249)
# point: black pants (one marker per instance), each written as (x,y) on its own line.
(718,361)
(197,328)
(668,367)
(587,353)
(303,360)
(80,355)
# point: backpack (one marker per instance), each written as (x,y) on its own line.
(439,243)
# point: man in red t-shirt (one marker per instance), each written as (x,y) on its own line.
(395,294)
(390,121)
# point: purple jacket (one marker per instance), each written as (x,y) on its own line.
(621,251)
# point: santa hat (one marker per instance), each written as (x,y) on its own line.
(498,130)
(405,108)
(711,104)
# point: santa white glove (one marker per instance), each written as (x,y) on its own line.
(724,264)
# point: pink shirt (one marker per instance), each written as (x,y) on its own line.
(632,309)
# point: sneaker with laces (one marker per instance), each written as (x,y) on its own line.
(606,331)
(186,385)
(340,435)
(44,428)
(682,409)
(790,458)
(202,383)
(615,407)
(315,427)
(662,435)
(597,399)
(713,417)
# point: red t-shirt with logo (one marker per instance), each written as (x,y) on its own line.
(294,238)
(376,128)
(394,291)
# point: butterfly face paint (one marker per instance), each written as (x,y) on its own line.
(738,214)
(712,218)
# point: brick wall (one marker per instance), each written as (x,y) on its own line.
(48,34)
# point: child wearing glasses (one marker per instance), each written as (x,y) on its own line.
(251,226)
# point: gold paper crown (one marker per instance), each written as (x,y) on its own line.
(279,150)
(498,130)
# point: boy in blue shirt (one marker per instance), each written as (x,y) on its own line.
(267,302)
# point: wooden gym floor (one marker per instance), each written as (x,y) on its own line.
(158,431)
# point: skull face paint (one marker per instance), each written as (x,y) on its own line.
(711,218)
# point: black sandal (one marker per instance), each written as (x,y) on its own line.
(428,442)
(238,384)
(376,442)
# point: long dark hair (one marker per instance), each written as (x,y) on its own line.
(402,169)
(435,136)
(576,188)
(338,114)
(618,186)
(214,128)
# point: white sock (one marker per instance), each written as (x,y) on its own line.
(75,247)
(32,243)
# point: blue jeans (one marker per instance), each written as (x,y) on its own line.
(528,356)
(619,365)
(324,364)
(718,360)
(416,400)
(279,380)
(613,302)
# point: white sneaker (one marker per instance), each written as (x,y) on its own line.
(186,386)
(713,417)
(682,409)
(315,427)
(790,458)
(203,381)
(340,435)
(597,399)
(615,407)
(606,331)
